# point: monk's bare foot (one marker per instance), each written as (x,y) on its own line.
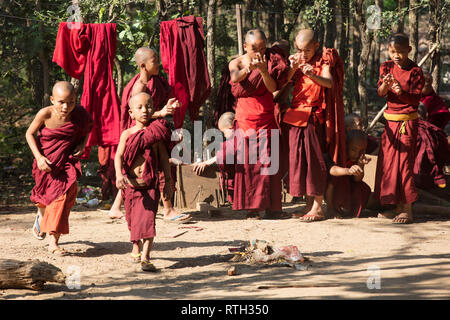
(403,218)
(115,214)
(252,215)
(172,215)
(316,214)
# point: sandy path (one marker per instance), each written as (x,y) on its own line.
(414,260)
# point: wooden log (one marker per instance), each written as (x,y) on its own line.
(432,198)
(419,208)
(32,274)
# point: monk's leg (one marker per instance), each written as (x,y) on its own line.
(115,212)
(40,215)
(331,211)
(316,213)
(405,215)
(146,265)
(53,246)
(170,213)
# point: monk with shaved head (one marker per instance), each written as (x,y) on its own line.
(312,73)
(62,130)
(164,104)
(255,75)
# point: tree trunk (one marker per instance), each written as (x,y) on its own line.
(413,29)
(239,29)
(356,52)
(208,113)
(366,39)
(32,274)
(44,62)
(401,23)
(344,51)
(247,8)
(279,23)
(437,19)
(330,39)
(119,78)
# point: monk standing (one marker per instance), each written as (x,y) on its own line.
(64,129)
(254,77)
(150,81)
(305,124)
(401,82)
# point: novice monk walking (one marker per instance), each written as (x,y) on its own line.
(401,82)
(141,153)
(63,131)
(305,124)
(150,81)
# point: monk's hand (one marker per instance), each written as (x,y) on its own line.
(355,170)
(307,69)
(121,181)
(388,79)
(170,107)
(43,164)
(396,87)
(260,62)
(199,168)
(295,61)
(362,161)
(79,150)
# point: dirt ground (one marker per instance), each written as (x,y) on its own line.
(413,260)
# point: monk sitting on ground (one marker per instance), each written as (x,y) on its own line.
(63,131)
(437,111)
(354,122)
(359,191)
(401,82)
(150,81)
(141,153)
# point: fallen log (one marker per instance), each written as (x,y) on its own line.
(432,198)
(30,274)
(419,208)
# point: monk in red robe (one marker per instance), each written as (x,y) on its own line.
(401,82)
(254,77)
(305,122)
(150,81)
(437,111)
(354,170)
(141,153)
(64,129)
(355,122)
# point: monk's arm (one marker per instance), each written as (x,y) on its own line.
(337,171)
(121,181)
(325,79)
(141,84)
(38,121)
(269,82)
(236,74)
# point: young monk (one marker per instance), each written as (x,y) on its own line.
(148,80)
(401,82)
(354,122)
(141,153)
(63,131)
(305,124)
(227,170)
(438,113)
(254,77)
(359,191)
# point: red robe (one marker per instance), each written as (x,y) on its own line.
(394,177)
(227,170)
(433,153)
(438,113)
(183,58)
(255,110)
(315,125)
(141,204)
(57,145)
(91,50)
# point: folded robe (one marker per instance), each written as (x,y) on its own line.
(141,204)
(57,145)
(91,50)
(255,110)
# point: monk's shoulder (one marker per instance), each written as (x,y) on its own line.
(45,113)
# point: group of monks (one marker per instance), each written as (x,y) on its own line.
(321,152)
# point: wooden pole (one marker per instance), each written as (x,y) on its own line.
(380,113)
(239,28)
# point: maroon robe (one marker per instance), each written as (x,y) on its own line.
(394,181)
(433,153)
(255,110)
(438,113)
(58,145)
(141,203)
(227,170)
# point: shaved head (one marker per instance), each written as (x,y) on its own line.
(140,97)
(306,36)
(63,87)
(399,39)
(352,121)
(255,34)
(226,120)
(143,54)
